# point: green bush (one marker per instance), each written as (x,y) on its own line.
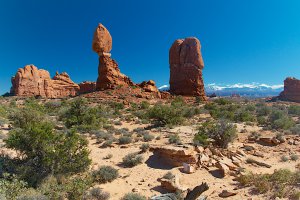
(174,139)
(166,115)
(83,117)
(11,189)
(294,110)
(125,140)
(46,151)
(221,132)
(144,105)
(132,159)
(133,196)
(148,137)
(105,174)
(144,147)
(96,194)
(25,117)
(201,139)
(280,184)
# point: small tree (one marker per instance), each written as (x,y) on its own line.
(45,151)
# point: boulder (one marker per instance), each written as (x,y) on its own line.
(224,169)
(291,90)
(102,41)
(87,87)
(176,156)
(31,81)
(186,66)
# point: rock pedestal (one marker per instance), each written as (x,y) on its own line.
(291,90)
(186,66)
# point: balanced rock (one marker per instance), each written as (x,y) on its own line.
(291,90)
(87,87)
(30,81)
(109,74)
(102,41)
(186,66)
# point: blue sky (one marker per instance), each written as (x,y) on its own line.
(242,41)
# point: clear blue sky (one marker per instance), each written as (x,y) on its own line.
(242,41)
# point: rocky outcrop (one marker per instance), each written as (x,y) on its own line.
(30,81)
(186,66)
(291,90)
(109,74)
(87,87)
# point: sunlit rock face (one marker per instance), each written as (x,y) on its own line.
(186,66)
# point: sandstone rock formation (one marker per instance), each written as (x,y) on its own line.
(109,75)
(186,66)
(291,90)
(87,87)
(30,81)
(102,41)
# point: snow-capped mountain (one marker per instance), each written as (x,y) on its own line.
(247,90)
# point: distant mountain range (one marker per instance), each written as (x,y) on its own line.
(246,90)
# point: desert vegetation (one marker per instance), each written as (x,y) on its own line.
(79,148)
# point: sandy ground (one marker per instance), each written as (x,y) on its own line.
(143,178)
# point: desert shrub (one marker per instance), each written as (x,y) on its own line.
(200,139)
(294,110)
(105,174)
(144,105)
(284,158)
(221,132)
(71,188)
(263,110)
(83,117)
(96,194)
(283,123)
(294,157)
(32,195)
(295,129)
(133,196)
(169,176)
(53,107)
(165,115)
(26,116)
(125,140)
(245,116)
(46,151)
(174,139)
(145,147)
(281,183)
(148,137)
(132,159)
(12,188)
(107,143)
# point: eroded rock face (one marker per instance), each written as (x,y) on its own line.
(30,81)
(87,87)
(186,66)
(291,90)
(109,75)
